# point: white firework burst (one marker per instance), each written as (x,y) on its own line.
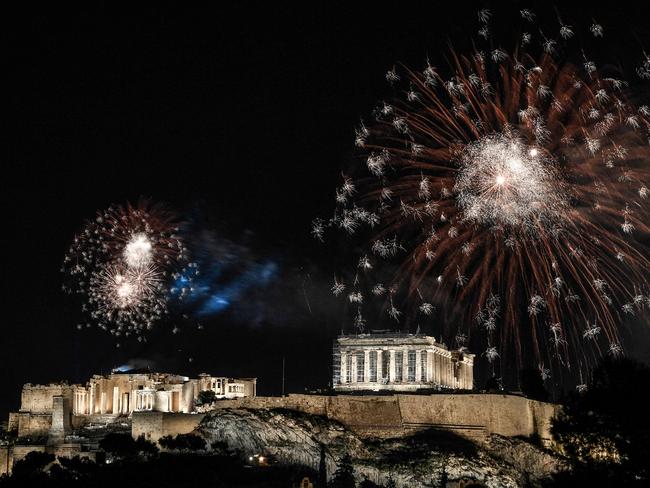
(338,287)
(491,354)
(127,300)
(426,308)
(591,332)
(502,181)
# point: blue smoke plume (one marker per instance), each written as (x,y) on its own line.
(224,276)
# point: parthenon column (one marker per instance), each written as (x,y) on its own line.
(353,378)
(405,366)
(447,369)
(443,369)
(424,364)
(391,366)
(379,365)
(366,366)
(452,373)
(344,367)
(418,366)
(436,367)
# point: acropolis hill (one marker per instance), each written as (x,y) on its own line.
(394,386)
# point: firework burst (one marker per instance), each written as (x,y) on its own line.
(127,299)
(120,264)
(512,190)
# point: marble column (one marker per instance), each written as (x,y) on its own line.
(418,366)
(366,366)
(353,378)
(391,370)
(379,365)
(436,367)
(344,367)
(116,400)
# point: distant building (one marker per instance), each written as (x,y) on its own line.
(51,415)
(124,393)
(399,362)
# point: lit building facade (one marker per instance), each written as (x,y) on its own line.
(117,394)
(399,362)
(52,416)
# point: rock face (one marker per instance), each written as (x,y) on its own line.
(425,459)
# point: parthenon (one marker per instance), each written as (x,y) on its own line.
(399,362)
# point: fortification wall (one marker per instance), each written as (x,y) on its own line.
(38,398)
(19,451)
(12,424)
(70,451)
(471,415)
(10,455)
(154,425)
(34,425)
(6,460)
(507,415)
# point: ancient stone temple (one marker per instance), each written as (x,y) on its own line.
(399,362)
(57,417)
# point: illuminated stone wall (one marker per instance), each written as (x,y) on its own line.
(154,425)
(471,415)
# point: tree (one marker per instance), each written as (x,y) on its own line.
(145,447)
(605,431)
(206,397)
(183,442)
(167,442)
(70,470)
(344,474)
(32,464)
(122,445)
(118,444)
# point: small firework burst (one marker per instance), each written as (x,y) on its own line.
(491,354)
(119,265)
(427,308)
(338,287)
(127,300)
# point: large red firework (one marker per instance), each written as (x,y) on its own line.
(513,192)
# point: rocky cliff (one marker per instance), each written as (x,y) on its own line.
(424,459)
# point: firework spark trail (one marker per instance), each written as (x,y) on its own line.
(120,264)
(520,175)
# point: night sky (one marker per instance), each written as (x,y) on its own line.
(239,117)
